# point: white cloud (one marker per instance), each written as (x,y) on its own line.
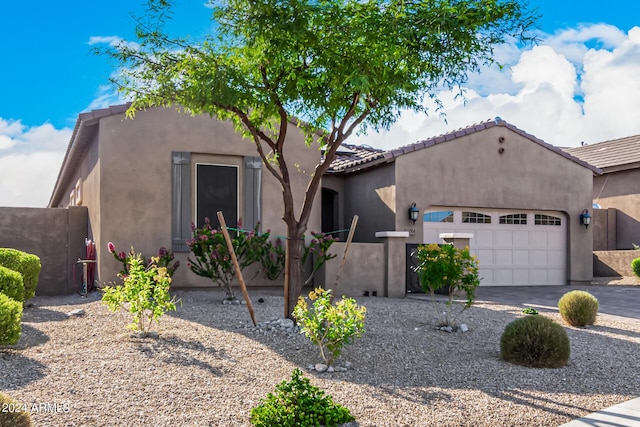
(113,41)
(29,162)
(577,85)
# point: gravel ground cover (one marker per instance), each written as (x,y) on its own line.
(210,366)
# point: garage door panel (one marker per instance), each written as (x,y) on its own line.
(504,257)
(504,276)
(538,238)
(520,257)
(555,240)
(538,276)
(521,238)
(521,276)
(556,276)
(504,238)
(538,257)
(556,258)
(485,257)
(483,238)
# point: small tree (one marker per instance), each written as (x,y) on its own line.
(342,65)
(450,268)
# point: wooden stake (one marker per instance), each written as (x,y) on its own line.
(352,230)
(223,226)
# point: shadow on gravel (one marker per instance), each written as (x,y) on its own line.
(17,370)
(174,350)
(37,314)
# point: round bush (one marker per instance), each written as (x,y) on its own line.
(13,413)
(635,266)
(578,308)
(10,317)
(26,264)
(11,284)
(535,341)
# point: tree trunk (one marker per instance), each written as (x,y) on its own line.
(293,272)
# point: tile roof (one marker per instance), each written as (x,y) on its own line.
(367,157)
(354,157)
(623,153)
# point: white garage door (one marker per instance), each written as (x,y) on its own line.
(514,248)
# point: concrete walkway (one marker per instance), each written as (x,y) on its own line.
(625,414)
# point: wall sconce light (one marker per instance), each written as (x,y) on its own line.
(585,218)
(414,212)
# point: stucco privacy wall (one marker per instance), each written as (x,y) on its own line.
(364,269)
(473,171)
(55,235)
(620,190)
(128,189)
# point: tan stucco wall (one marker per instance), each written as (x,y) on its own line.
(364,269)
(470,171)
(372,196)
(128,190)
(621,190)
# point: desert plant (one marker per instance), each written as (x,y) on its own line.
(10,317)
(535,341)
(298,403)
(530,310)
(273,258)
(211,256)
(329,325)
(578,308)
(11,284)
(635,266)
(24,263)
(164,259)
(447,266)
(145,293)
(13,413)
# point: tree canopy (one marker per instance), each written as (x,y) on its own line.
(339,65)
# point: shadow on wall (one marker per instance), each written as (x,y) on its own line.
(627,231)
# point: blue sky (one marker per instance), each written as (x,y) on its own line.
(581,83)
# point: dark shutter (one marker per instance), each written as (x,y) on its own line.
(252,191)
(180,200)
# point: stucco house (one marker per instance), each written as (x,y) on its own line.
(144,180)
(616,191)
(518,198)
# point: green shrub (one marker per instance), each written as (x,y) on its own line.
(329,325)
(26,264)
(442,266)
(145,293)
(299,404)
(535,341)
(578,308)
(635,266)
(13,413)
(11,284)
(10,317)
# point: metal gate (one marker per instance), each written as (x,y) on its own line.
(413,284)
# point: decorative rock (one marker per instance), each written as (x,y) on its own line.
(321,367)
(231,301)
(464,328)
(76,312)
(331,369)
(311,367)
(286,323)
(348,365)
(446,328)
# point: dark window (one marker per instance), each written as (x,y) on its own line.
(541,219)
(217,190)
(440,216)
(514,219)
(475,218)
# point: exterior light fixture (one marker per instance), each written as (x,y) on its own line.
(413,212)
(585,218)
